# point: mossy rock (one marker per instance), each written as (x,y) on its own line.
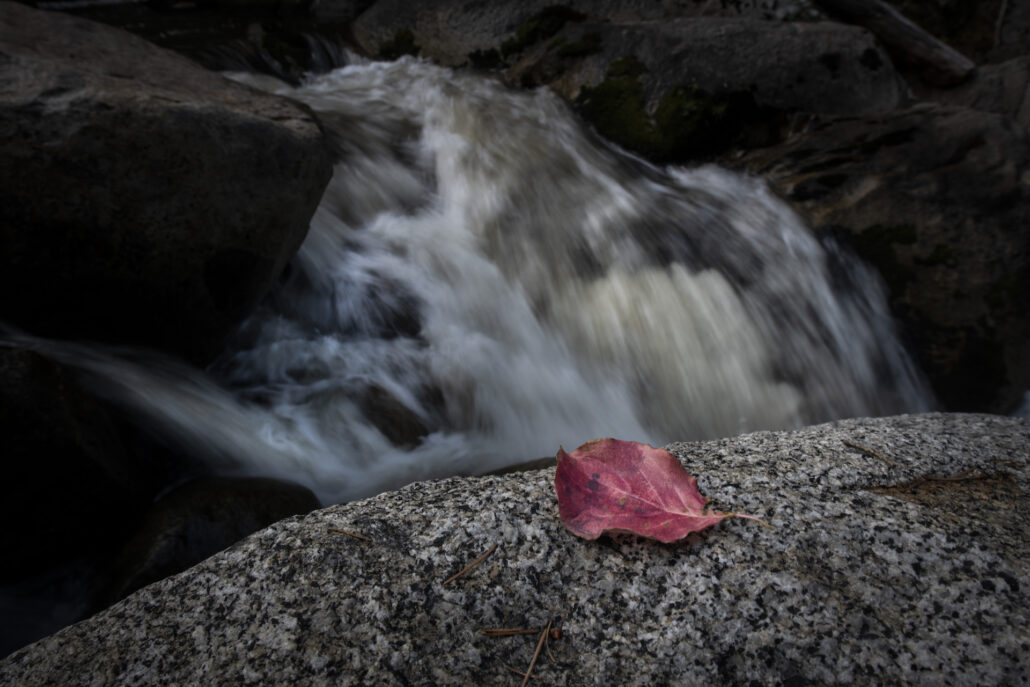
(688,122)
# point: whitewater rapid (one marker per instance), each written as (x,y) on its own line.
(488,271)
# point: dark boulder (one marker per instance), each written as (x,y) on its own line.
(682,89)
(672,82)
(936,198)
(144,200)
(984,30)
(197,520)
(449,32)
(70,487)
(1000,88)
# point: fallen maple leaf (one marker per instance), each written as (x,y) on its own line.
(607,485)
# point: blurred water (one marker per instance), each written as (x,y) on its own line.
(484,281)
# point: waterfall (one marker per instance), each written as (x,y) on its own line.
(485,280)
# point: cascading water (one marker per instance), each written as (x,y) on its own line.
(484,271)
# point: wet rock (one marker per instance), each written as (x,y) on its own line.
(197,520)
(398,423)
(897,557)
(936,199)
(145,200)
(70,487)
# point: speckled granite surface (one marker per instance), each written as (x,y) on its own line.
(873,575)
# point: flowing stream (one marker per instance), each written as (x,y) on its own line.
(485,280)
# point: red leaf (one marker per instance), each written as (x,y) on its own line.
(607,485)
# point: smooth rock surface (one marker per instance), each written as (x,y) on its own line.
(937,199)
(143,199)
(912,571)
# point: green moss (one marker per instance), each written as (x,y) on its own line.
(589,44)
(688,123)
(544,24)
(402,43)
(875,244)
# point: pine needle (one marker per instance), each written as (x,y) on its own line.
(519,672)
(349,533)
(510,631)
(871,451)
(536,654)
(471,565)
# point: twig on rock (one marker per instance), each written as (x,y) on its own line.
(536,654)
(871,451)
(519,672)
(471,565)
(349,533)
(555,633)
(510,631)
(998,24)
(966,475)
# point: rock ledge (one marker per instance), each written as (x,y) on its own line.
(912,571)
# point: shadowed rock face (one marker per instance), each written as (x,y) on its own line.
(935,197)
(878,571)
(197,520)
(69,483)
(145,200)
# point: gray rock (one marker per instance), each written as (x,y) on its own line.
(667,81)
(686,89)
(984,31)
(913,571)
(932,60)
(818,67)
(1000,88)
(937,199)
(144,200)
(448,31)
